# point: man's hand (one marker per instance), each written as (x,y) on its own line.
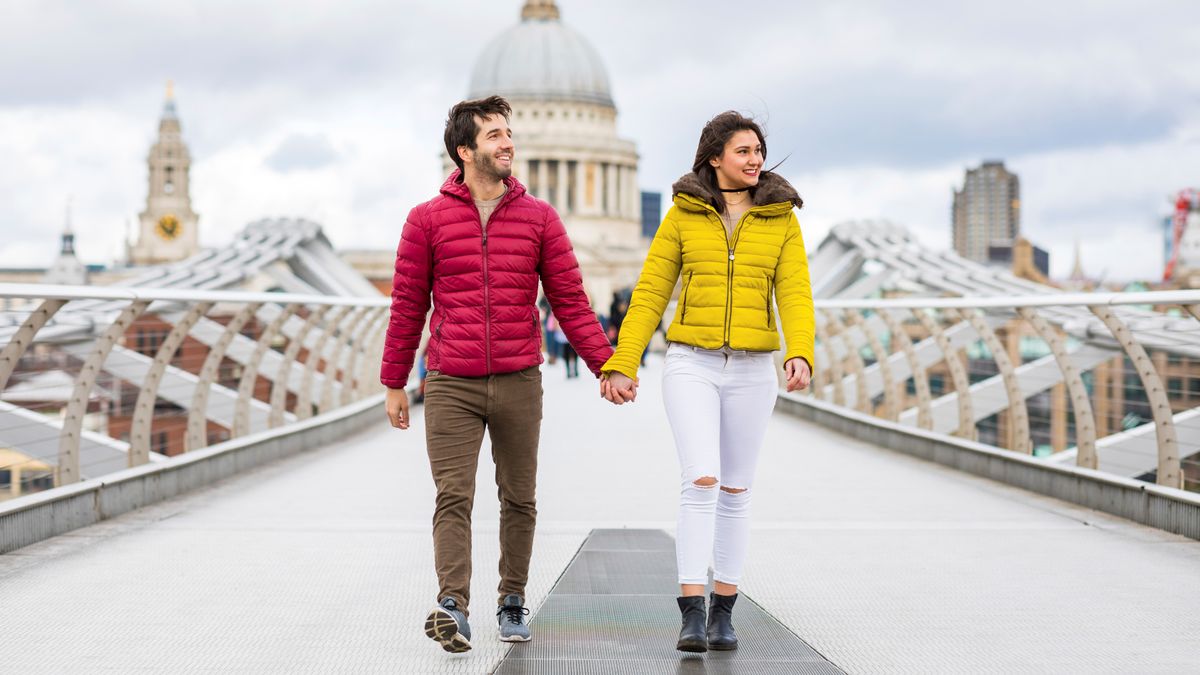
(798,373)
(397,408)
(618,388)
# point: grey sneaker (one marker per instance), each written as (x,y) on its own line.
(511,617)
(448,626)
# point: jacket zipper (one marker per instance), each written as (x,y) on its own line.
(737,231)
(686,287)
(487,300)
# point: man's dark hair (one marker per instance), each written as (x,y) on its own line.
(462,125)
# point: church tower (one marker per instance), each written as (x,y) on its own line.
(168,225)
(66,268)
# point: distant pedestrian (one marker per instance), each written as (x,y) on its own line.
(734,238)
(563,347)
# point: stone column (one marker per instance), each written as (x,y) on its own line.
(634,202)
(599,187)
(580,179)
(543,180)
(561,197)
(612,191)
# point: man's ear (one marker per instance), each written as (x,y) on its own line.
(464,153)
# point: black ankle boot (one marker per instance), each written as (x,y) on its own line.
(720,622)
(691,636)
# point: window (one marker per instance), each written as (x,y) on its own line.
(937,384)
(532,179)
(552,183)
(38,481)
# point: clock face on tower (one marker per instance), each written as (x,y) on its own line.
(168,227)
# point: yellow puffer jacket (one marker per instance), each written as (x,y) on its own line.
(728,282)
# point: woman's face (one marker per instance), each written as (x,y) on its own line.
(740,163)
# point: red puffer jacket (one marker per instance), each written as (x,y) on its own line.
(485,286)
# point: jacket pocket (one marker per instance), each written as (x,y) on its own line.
(537,328)
(770,316)
(437,349)
(683,298)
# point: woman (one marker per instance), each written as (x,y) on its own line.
(733,237)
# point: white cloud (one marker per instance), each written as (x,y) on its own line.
(880,107)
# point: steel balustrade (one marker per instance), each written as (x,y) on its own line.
(107,319)
(341,338)
(1081,331)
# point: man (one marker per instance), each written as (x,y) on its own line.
(481,247)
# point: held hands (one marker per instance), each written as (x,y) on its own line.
(798,374)
(397,408)
(618,388)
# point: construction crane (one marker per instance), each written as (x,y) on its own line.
(1185,202)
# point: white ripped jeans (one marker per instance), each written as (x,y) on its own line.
(718,403)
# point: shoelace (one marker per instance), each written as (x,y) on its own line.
(513,613)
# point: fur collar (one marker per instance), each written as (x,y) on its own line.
(772,189)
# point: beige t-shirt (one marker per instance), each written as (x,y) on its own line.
(486,206)
(731,216)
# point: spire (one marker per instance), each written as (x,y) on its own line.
(68,235)
(1077,269)
(169,103)
(539,10)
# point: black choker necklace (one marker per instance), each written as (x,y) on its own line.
(734,190)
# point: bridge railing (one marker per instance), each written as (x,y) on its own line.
(95,380)
(1103,381)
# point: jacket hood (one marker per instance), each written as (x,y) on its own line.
(772,190)
(455,187)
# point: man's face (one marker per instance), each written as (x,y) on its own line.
(493,153)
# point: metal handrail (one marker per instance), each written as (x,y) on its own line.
(1008,302)
(60,292)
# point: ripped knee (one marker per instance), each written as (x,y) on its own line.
(732,490)
(705,481)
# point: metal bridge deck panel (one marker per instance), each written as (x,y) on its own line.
(614,611)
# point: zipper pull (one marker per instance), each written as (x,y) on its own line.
(485,237)
(731,254)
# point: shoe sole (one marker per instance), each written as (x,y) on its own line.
(442,627)
(722,648)
(515,638)
(695,647)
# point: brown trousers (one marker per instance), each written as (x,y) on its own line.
(457,410)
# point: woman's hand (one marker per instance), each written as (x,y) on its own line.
(798,374)
(618,388)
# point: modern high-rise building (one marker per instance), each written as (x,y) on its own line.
(987,211)
(168,225)
(651,213)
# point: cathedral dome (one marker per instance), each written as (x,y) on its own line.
(543,60)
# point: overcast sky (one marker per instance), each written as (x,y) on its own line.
(333,109)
